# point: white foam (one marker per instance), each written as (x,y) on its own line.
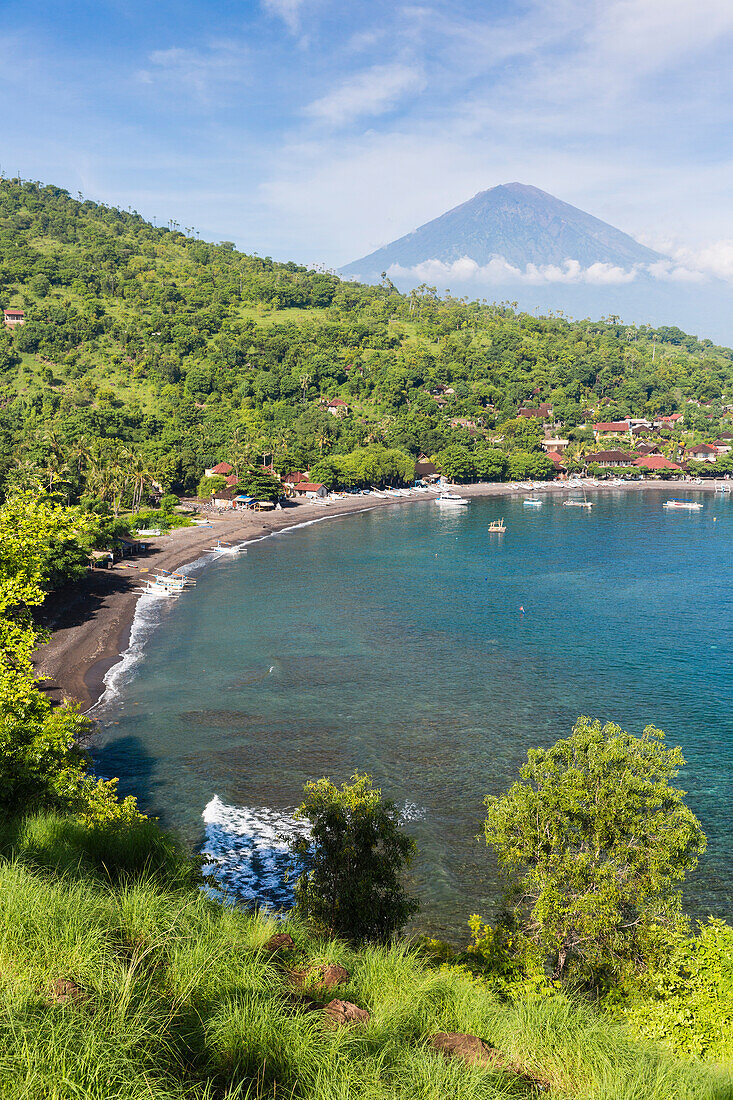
(412,812)
(247,851)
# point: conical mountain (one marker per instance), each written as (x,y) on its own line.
(515,221)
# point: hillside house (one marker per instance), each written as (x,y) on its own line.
(337,407)
(543,411)
(463,422)
(610,427)
(672,421)
(222,469)
(13,317)
(552,443)
(556,459)
(703,452)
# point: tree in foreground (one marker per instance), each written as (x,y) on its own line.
(354,859)
(595,842)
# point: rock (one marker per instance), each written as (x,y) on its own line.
(471,1049)
(330,976)
(64,992)
(338,1013)
(325,976)
(283,941)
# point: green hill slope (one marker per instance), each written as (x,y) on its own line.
(130,985)
(180,350)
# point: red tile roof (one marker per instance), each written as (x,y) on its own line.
(611,426)
(222,468)
(337,403)
(656,462)
(309,486)
(556,457)
(14,312)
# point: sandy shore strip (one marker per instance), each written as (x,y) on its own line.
(91,622)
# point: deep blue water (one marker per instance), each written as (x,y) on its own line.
(393,642)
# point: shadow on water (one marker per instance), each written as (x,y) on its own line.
(128,758)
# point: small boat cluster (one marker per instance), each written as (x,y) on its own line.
(167,584)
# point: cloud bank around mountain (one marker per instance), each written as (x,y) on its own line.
(684,266)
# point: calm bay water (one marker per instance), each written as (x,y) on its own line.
(393,642)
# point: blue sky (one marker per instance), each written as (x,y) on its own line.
(317,131)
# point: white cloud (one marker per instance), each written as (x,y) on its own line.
(287,10)
(371,92)
(196,70)
(499,271)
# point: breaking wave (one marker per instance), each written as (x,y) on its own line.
(247,852)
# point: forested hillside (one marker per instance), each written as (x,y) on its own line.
(144,347)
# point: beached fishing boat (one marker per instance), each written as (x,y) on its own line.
(226,548)
(452,499)
(683,505)
(153,588)
(496,527)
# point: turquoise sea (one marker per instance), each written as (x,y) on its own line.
(393,642)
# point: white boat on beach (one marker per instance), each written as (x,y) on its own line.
(451,499)
(226,548)
(683,505)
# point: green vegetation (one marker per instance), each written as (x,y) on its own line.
(148,355)
(175,996)
(353,861)
(595,842)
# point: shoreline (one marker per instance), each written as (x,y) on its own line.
(91,625)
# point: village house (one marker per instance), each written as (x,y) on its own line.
(556,459)
(552,443)
(425,469)
(13,317)
(543,411)
(723,443)
(463,422)
(311,490)
(337,407)
(648,449)
(703,452)
(223,499)
(222,469)
(672,421)
(610,427)
(655,462)
(609,458)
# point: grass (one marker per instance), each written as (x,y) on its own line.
(182,1001)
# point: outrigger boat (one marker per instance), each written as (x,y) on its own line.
(497,527)
(532,502)
(577,504)
(685,505)
(225,548)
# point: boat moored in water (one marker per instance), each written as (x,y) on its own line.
(450,498)
(496,527)
(683,505)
